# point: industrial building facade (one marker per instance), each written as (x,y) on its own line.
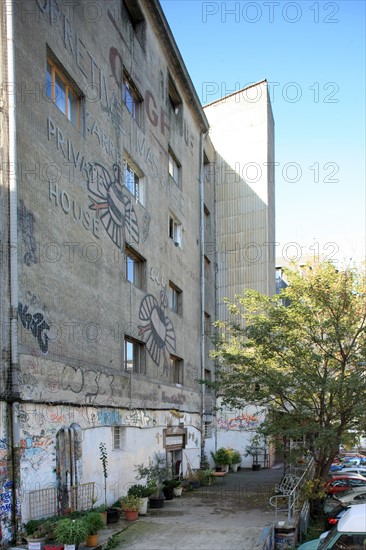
(120,218)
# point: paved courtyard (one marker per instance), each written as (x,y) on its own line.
(228,515)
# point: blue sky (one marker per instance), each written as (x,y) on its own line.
(313,55)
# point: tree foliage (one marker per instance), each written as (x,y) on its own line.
(301,354)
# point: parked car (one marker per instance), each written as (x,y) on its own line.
(349,532)
(332,517)
(339,483)
(356,495)
(361,471)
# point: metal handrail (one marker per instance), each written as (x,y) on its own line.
(293,496)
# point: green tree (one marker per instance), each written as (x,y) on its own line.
(301,355)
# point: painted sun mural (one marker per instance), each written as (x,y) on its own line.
(111,203)
(158,331)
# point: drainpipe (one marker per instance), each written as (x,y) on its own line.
(12,398)
(202,283)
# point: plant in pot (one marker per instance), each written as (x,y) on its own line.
(37,530)
(144,492)
(112,513)
(155,473)
(222,459)
(235,459)
(169,486)
(71,532)
(206,476)
(131,505)
(94,523)
(254,451)
(177,487)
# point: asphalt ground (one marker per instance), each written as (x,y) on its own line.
(228,515)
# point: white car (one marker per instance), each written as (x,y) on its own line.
(350,532)
(356,495)
(354,470)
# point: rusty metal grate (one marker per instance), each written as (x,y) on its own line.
(82,496)
(43,503)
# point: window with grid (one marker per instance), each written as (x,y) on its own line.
(134,267)
(176,370)
(208,430)
(175,296)
(117,437)
(208,326)
(62,93)
(174,168)
(175,231)
(133,180)
(131,98)
(134,356)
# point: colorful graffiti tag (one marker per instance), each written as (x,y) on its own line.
(240,422)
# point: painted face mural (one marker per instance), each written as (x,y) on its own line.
(111,204)
(158,331)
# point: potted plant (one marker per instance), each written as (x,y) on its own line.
(112,513)
(222,459)
(71,532)
(144,492)
(94,523)
(235,460)
(155,473)
(168,488)
(254,451)
(131,505)
(36,530)
(206,476)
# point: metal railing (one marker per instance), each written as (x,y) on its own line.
(289,501)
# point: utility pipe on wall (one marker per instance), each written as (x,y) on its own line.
(12,398)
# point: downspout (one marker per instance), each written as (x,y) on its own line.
(13,397)
(202,284)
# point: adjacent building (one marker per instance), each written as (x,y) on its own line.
(124,222)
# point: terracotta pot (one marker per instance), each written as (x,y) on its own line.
(92,540)
(131,515)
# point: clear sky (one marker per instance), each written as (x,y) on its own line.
(313,55)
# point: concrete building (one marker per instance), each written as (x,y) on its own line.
(113,213)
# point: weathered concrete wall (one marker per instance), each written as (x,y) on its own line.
(75,304)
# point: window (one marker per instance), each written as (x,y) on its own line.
(175,231)
(207,218)
(208,429)
(174,168)
(207,267)
(134,267)
(131,98)
(133,15)
(208,326)
(176,370)
(175,106)
(132,178)
(134,356)
(175,298)
(62,93)
(117,437)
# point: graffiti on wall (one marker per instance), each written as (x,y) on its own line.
(111,204)
(37,324)
(239,422)
(91,383)
(158,331)
(26,224)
